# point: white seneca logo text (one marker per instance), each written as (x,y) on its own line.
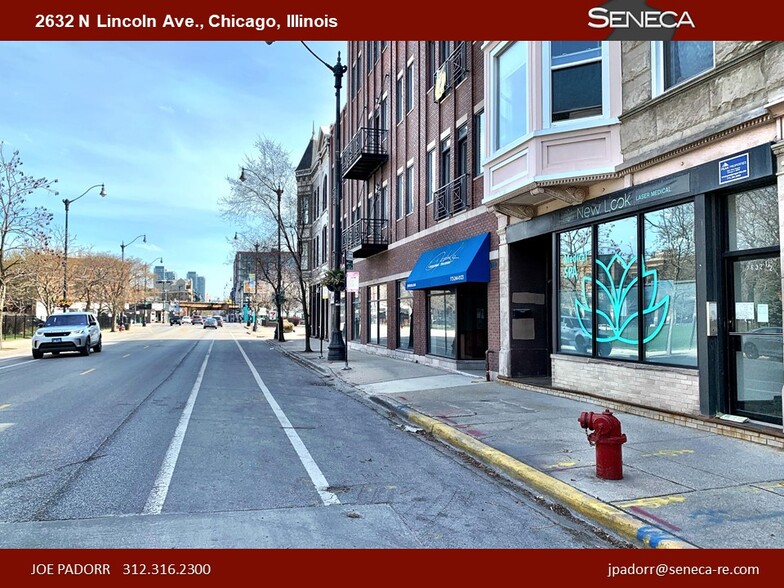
(601,18)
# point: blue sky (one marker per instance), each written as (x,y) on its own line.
(161,124)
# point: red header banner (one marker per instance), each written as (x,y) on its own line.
(351,567)
(307,20)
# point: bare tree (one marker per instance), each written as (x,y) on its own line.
(269,192)
(39,280)
(22,228)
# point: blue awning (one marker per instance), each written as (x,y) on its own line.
(456,263)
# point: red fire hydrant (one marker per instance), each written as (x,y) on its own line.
(608,439)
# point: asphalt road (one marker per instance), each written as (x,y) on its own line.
(186,437)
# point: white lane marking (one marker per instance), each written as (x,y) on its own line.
(5,367)
(87,371)
(126,355)
(318,479)
(4,426)
(160,489)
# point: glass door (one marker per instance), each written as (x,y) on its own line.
(756,342)
(754,309)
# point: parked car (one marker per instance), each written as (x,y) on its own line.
(765,341)
(68,331)
(210,323)
(572,334)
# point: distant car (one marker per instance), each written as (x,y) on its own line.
(68,331)
(210,323)
(186,320)
(197,320)
(765,341)
(175,320)
(218,319)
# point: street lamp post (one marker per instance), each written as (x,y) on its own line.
(67,203)
(256,288)
(123,245)
(337,349)
(145,287)
(279,298)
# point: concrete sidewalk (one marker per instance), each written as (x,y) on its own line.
(682,486)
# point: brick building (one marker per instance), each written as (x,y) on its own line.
(412,198)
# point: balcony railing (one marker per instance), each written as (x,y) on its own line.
(451,198)
(451,72)
(365,153)
(366,237)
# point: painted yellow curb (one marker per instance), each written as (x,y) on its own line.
(605,514)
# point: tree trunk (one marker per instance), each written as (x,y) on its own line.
(2,311)
(305,314)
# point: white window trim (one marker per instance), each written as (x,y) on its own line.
(547,104)
(657,69)
(491,119)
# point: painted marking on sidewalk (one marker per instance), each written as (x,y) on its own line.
(561,465)
(160,489)
(85,372)
(669,452)
(658,520)
(765,485)
(318,479)
(652,502)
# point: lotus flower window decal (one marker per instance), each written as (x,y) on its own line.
(614,320)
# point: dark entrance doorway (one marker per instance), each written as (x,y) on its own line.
(530,288)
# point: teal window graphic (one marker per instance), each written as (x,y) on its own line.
(615,282)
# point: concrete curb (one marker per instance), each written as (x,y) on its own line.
(302,361)
(602,513)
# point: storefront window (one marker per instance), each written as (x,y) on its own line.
(356,317)
(669,279)
(663,311)
(442,321)
(405,315)
(377,314)
(575,292)
(754,219)
(616,289)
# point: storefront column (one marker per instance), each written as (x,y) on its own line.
(778,152)
(504,303)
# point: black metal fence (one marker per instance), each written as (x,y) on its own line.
(23,326)
(19,326)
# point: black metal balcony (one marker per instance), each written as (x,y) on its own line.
(366,237)
(451,72)
(365,153)
(451,198)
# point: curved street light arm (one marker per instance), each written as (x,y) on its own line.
(103,193)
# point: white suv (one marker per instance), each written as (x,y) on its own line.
(68,331)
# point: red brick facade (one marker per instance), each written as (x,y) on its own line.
(427,123)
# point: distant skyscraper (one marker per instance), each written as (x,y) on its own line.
(199,287)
